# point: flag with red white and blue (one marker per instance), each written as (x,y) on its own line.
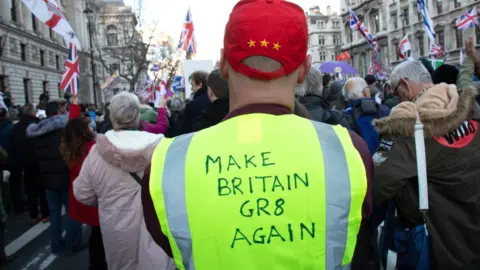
(188,42)
(356,24)
(467,20)
(71,74)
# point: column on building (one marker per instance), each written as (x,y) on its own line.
(5,10)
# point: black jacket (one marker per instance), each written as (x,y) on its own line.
(317,108)
(20,143)
(175,122)
(46,136)
(194,109)
(211,115)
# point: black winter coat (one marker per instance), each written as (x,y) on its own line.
(320,113)
(211,115)
(21,144)
(194,109)
(46,136)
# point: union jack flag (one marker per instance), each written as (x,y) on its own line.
(188,42)
(436,50)
(356,24)
(71,75)
(467,20)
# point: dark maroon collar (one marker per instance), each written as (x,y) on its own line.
(274,109)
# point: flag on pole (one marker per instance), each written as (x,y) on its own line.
(48,12)
(356,24)
(467,20)
(343,56)
(188,42)
(71,75)
(436,50)
(404,47)
(427,22)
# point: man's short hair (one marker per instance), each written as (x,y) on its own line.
(370,79)
(218,85)
(326,79)
(199,77)
(28,109)
(353,87)
(313,84)
(413,70)
(52,108)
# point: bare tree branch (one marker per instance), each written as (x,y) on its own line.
(130,53)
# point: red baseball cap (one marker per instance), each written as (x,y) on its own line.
(276,29)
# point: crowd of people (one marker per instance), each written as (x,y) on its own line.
(264,139)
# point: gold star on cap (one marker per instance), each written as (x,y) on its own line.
(264,43)
(276,46)
(251,43)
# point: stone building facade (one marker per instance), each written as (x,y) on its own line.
(324,31)
(33,57)
(390,20)
(120,44)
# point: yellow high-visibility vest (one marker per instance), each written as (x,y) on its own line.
(260,191)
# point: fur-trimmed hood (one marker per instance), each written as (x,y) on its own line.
(129,150)
(47,125)
(441,108)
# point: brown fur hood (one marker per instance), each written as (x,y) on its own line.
(442,108)
(118,149)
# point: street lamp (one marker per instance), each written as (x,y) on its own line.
(90,17)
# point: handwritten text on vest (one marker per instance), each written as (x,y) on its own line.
(260,206)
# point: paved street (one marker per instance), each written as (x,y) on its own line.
(31,245)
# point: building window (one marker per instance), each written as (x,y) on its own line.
(42,58)
(441,38)
(321,40)
(45,86)
(323,56)
(23,52)
(394,19)
(114,67)
(420,47)
(3,82)
(26,90)
(439,7)
(376,23)
(50,32)
(477,33)
(112,37)
(458,38)
(457,3)
(405,16)
(34,23)
(321,25)
(57,61)
(336,39)
(13,10)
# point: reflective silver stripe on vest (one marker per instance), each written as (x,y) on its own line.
(174,196)
(337,192)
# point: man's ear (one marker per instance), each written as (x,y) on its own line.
(304,69)
(223,65)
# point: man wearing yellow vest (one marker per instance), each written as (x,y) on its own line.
(264,189)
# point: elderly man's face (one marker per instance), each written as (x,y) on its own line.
(407,90)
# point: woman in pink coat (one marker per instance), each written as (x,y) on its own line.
(110,179)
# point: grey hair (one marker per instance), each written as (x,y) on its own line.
(125,111)
(176,105)
(353,87)
(413,70)
(313,84)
